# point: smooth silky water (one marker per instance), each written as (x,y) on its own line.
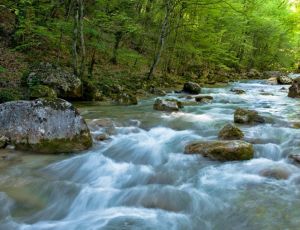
(140,178)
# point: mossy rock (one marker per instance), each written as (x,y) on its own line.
(168,105)
(222,150)
(39,91)
(44,126)
(230,132)
(246,116)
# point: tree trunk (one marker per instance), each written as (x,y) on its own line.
(118,37)
(82,42)
(75,38)
(161,41)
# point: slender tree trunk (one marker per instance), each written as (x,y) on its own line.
(92,63)
(118,38)
(161,40)
(82,42)
(75,38)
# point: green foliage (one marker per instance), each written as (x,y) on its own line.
(8,94)
(2,69)
(231,35)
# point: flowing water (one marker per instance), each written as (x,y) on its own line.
(140,178)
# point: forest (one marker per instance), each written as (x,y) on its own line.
(141,40)
(149,114)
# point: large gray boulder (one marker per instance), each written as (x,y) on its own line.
(66,84)
(294,90)
(192,88)
(44,125)
(222,150)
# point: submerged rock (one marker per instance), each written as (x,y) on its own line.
(204,99)
(294,90)
(278,173)
(245,116)
(66,84)
(168,105)
(192,88)
(45,126)
(295,158)
(238,91)
(284,80)
(230,132)
(222,150)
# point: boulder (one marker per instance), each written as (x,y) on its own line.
(284,80)
(192,88)
(126,99)
(272,74)
(156,91)
(294,90)
(204,99)
(254,74)
(168,105)
(295,158)
(66,84)
(222,150)
(245,116)
(230,132)
(39,91)
(102,137)
(238,91)
(272,81)
(44,126)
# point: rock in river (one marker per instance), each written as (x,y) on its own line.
(222,150)
(192,88)
(44,125)
(294,90)
(284,80)
(245,116)
(231,132)
(168,105)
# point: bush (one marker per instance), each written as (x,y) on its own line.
(9,95)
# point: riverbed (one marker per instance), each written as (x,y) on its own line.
(140,178)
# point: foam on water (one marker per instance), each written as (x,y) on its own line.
(140,178)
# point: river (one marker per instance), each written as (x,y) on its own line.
(140,178)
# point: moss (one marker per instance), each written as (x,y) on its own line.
(9,94)
(54,103)
(79,142)
(39,91)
